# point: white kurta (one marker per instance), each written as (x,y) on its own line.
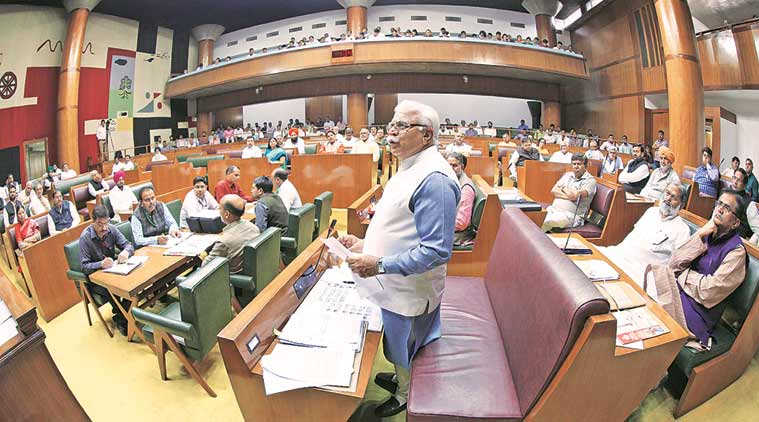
(122,199)
(651,241)
(289,195)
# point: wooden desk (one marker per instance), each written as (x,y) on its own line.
(599,381)
(31,386)
(270,309)
(144,285)
(44,267)
(356,225)
(347,176)
(536,179)
(485,166)
(174,176)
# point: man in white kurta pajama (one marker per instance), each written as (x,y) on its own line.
(401,263)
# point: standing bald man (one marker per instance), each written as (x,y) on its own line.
(401,263)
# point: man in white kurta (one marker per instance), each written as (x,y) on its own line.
(121,196)
(401,263)
(658,232)
(285,189)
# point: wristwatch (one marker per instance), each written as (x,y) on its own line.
(380,267)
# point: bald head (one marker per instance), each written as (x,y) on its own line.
(232,208)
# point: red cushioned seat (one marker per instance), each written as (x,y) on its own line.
(452,367)
(587,230)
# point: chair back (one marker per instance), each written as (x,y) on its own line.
(204,299)
(73,256)
(478,208)
(688,173)
(149,166)
(231,153)
(202,161)
(300,226)
(323,204)
(261,257)
(310,149)
(79,195)
(183,158)
(175,207)
(600,205)
(125,227)
(561,297)
(65,185)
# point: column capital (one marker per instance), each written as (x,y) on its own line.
(542,7)
(353,3)
(207,32)
(71,5)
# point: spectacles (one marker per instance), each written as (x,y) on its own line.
(398,127)
(724,206)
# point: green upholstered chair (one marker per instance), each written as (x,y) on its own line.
(125,227)
(323,204)
(189,327)
(183,158)
(310,149)
(260,266)
(202,161)
(65,185)
(478,207)
(491,148)
(75,274)
(175,207)
(300,232)
(695,376)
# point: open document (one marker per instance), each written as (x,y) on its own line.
(313,328)
(127,267)
(173,241)
(597,270)
(193,245)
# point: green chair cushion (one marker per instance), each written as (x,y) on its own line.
(202,161)
(687,358)
(468,247)
(323,204)
(478,208)
(175,208)
(169,320)
(310,149)
(261,260)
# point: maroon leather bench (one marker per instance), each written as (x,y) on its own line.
(506,335)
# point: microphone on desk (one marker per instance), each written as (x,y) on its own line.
(571,228)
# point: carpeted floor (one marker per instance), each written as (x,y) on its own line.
(118,381)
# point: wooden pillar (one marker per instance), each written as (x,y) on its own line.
(356,19)
(545,28)
(206,35)
(205,123)
(358,111)
(356,13)
(685,84)
(551,114)
(68,91)
(205,52)
(544,11)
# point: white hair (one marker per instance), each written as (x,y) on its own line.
(420,114)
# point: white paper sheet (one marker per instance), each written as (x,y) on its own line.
(123,269)
(311,365)
(336,248)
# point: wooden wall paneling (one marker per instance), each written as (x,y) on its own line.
(486,167)
(747,45)
(390,83)
(231,116)
(347,176)
(357,226)
(44,267)
(384,106)
(659,121)
(328,107)
(653,80)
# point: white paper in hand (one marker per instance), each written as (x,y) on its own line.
(336,248)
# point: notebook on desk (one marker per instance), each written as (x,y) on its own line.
(123,269)
(522,204)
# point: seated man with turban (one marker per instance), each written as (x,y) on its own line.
(662,176)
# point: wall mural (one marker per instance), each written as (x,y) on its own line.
(121,87)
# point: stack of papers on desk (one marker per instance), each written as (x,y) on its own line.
(320,329)
(637,324)
(192,245)
(292,367)
(8,326)
(620,295)
(335,293)
(123,269)
(510,195)
(597,270)
(173,241)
